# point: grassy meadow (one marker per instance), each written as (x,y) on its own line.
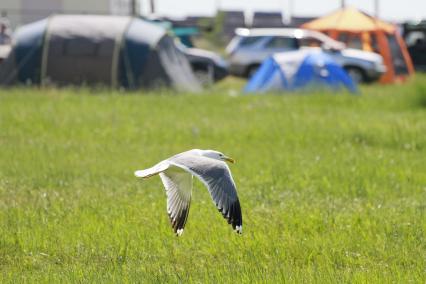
(332,186)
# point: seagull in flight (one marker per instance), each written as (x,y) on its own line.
(210,168)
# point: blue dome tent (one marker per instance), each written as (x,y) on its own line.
(114,51)
(300,70)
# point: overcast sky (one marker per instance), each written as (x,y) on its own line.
(395,10)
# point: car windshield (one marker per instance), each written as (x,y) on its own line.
(309,42)
(250,40)
(281,42)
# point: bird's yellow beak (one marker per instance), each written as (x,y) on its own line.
(228,159)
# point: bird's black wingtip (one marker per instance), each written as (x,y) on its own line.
(233,216)
(178,222)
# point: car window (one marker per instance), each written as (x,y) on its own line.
(309,42)
(281,42)
(250,40)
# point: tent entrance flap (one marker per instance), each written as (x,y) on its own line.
(177,66)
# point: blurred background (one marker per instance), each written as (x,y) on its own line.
(222,38)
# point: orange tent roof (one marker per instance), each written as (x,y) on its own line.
(349,20)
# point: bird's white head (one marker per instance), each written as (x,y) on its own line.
(216,155)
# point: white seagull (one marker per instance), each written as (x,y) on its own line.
(210,168)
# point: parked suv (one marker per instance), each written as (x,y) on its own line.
(250,47)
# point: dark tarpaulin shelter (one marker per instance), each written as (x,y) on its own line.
(96,50)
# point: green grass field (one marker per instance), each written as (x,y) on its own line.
(332,186)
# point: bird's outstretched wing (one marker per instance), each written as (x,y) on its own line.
(178,185)
(155,170)
(218,180)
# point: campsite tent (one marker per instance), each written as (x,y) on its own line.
(96,50)
(363,31)
(296,70)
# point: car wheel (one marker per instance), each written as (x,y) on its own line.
(356,74)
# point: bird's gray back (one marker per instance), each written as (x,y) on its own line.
(212,171)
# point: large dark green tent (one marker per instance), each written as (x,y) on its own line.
(96,50)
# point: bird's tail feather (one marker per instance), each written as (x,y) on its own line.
(155,170)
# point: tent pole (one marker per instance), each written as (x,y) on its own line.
(376,8)
(152,3)
(45,53)
(133,8)
(290,10)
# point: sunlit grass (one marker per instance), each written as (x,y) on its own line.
(332,186)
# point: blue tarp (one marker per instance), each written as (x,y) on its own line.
(300,70)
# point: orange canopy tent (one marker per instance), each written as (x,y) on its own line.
(365,32)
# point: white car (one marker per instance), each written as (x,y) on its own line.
(250,47)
